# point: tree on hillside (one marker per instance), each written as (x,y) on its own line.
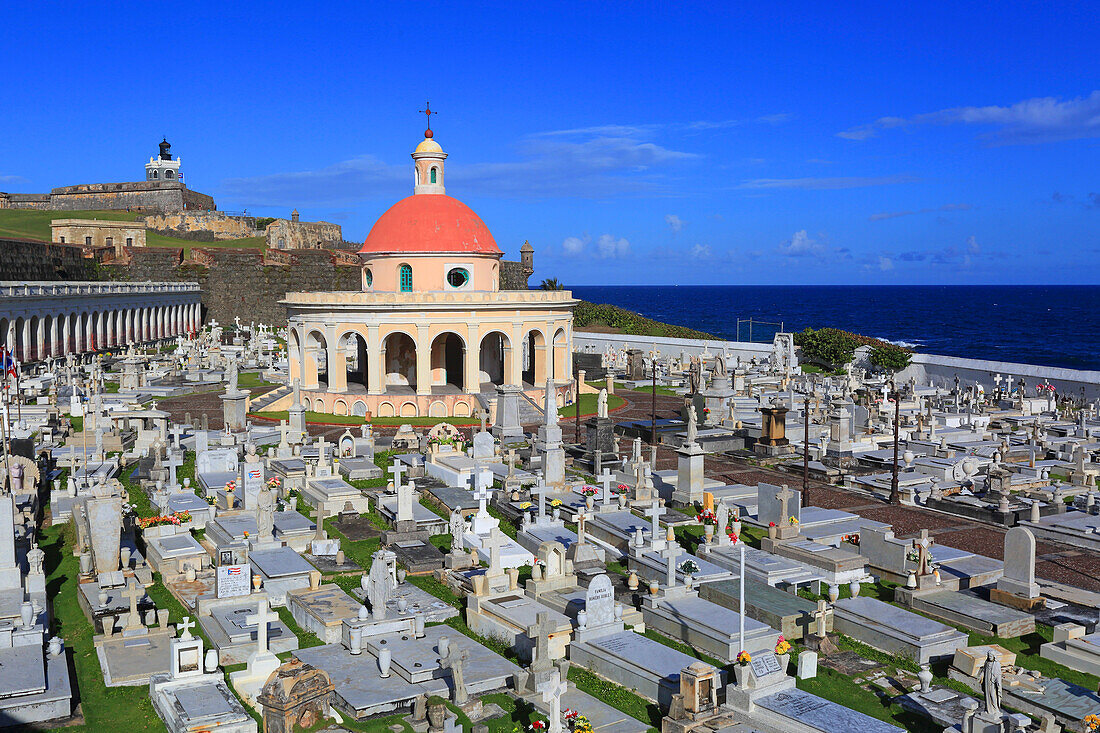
(827,346)
(551,283)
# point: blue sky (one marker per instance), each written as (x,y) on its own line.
(721,143)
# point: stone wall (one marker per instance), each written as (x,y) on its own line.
(23,261)
(136,196)
(513,275)
(238,282)
(39,201)
(93,233)
(285,234)
(202,226)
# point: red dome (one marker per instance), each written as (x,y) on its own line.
(430,223)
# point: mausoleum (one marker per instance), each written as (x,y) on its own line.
(431,329)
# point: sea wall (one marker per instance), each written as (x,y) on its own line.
(925,368)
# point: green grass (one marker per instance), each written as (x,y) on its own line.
(647,389)
(588,405)
(253,380)
(616,696)
(306,639)
(27,224)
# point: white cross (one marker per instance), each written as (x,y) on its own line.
(396,470)
(185,628)
(654,513)
(483,494)
(261,618)
(606,478)
(670,553)
(784,495)
(551,694)
(540,491)
(493,543)
(581,518)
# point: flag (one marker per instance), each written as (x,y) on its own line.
(7,363)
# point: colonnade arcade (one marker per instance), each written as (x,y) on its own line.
(426,359)
(36,328)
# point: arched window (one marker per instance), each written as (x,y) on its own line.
(433,175)
(406,278)
(368,278)
(156,174)
(168,174)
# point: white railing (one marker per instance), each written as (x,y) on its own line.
(10,289)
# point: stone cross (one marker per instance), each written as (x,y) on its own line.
(483,495)
(821,618)
(605,479)
(784,495)
(261,618)
(454,659)
(184,627)
(551,695)
(654,513)
(396,470)
(540,491)
(670,553)
(511,458)
(134,594)
(483,415)
(582,517)
(922,546)
(492,543)
(539,632)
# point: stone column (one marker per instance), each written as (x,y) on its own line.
(423,361)
(541,370)
(471,358)
(337,362)
(515,374)
(376,373)
(89,331)
(309,368)
(111,318)
(40,339)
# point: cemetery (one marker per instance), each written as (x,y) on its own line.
(221,529)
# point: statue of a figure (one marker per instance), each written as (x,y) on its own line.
(601,403)
(693,424)
(693,375)
(265,513)
(35,559)
(458,529)
(990,679)
(720,366)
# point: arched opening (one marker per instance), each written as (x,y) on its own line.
(461,409)
(534,358)
(386,410)
(168,174)
(405,275)
(340,408)
(409,410)
(560,354)
(156,174)
(359,409)
(20,342)
(355,361)
(315,361)
(33,342)
(399,361)
(493,359)
(433,175)
(447,361)
(437,409)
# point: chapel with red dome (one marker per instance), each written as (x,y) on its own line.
(432,332)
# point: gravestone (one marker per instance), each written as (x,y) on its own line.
(1017,587)
(484,446)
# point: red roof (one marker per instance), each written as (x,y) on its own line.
(430,223)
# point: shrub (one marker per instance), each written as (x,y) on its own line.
(827,345)
(890,358)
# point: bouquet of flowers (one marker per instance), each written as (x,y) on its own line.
(688,567)
(588,490)
(555,502)
(851,539)
(733,537)
(1092,723)
(743,657)
(176,519)
(706,516)
(525,505)
(782,646)
(569,714)
(230,485)
(538,726)
(793,520)
(273,483)
(622,489)
(582,725)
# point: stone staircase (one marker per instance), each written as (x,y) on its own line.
(530,413)
(269,398)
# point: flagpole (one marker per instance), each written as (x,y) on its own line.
(4,424)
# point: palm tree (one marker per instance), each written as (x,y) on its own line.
(551,284)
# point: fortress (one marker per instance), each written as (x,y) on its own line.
(162,190)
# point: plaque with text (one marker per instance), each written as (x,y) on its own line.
(764,664)
(233,580)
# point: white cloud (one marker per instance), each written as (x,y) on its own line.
(573,245)
(1036,120)
(828,184)
(12,179)
(606,247)
(885,263)
(674,222)
(701,252)
(895,214)
(972,245)
(801,245)
(609,246)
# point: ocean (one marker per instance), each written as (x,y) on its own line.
(1046,325)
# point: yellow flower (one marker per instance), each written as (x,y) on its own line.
(793,520)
